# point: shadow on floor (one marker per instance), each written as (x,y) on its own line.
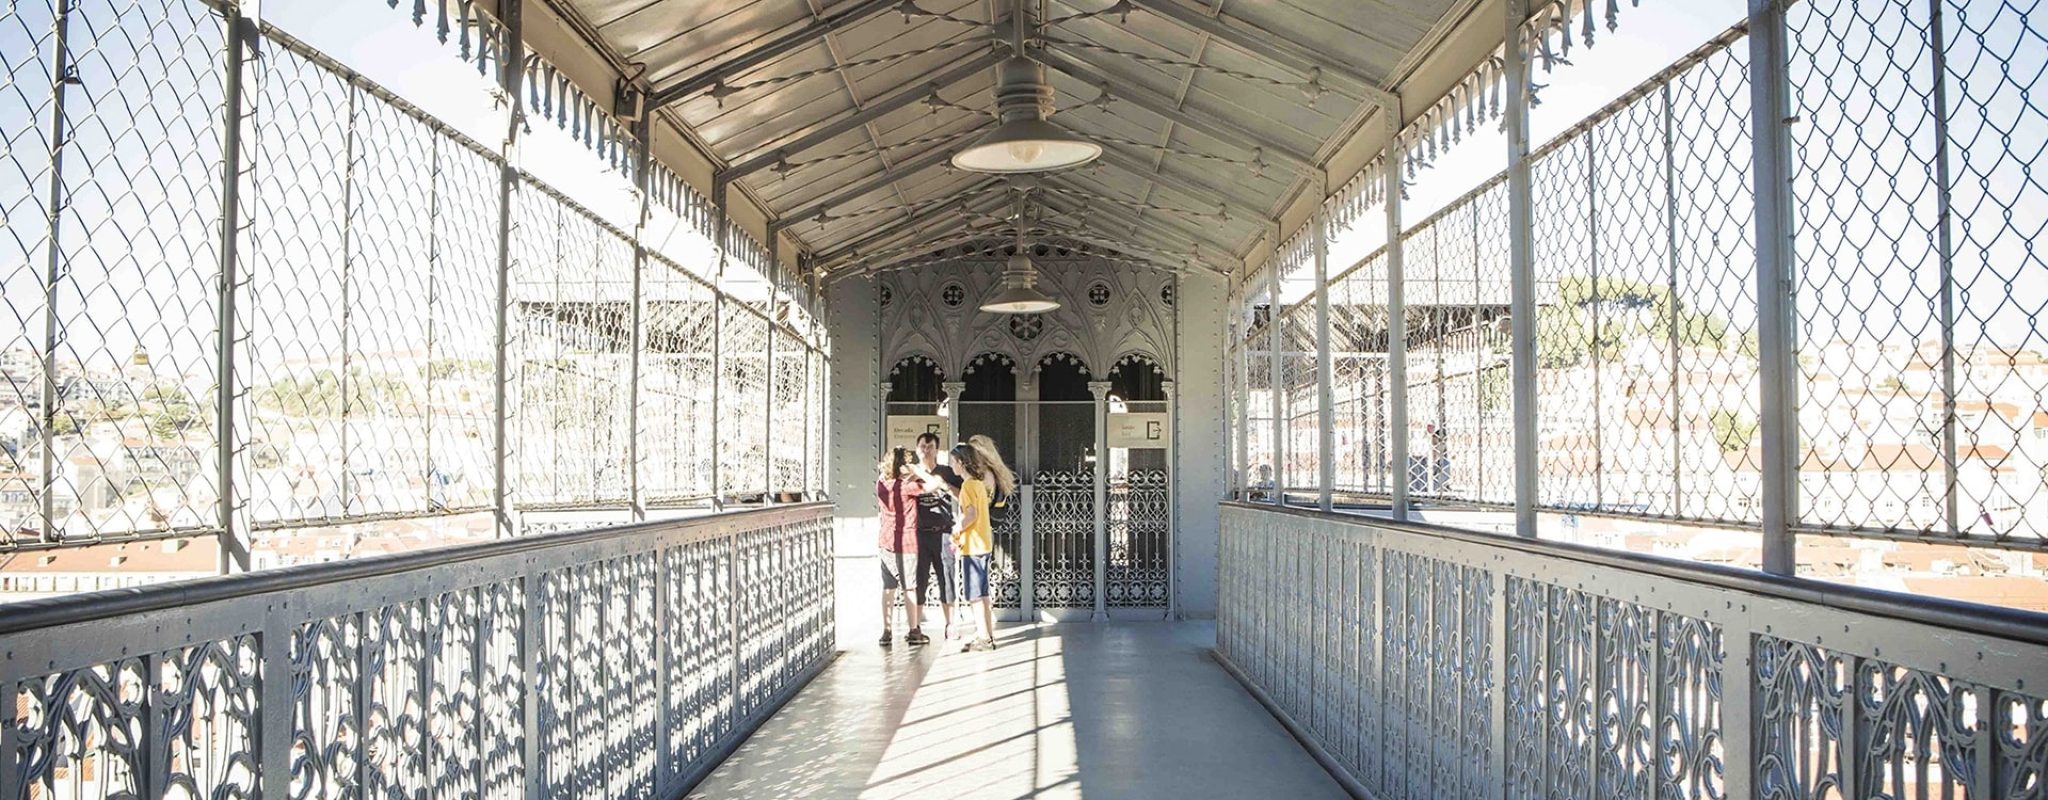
(1105,710)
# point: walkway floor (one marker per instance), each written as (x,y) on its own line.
(1116,710)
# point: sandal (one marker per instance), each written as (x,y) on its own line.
(915,637)
(979,646)
(886,637)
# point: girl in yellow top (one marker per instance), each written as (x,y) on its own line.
(984,479)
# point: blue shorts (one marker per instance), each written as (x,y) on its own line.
(974,573)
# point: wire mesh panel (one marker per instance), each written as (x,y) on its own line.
(1358,346)
(1259,474)
(787,414)
(1646,354)
(303,144)
(27,106)
(572,284)
(678,431)
(462,291)
(133,169)
(742,401)
(1301,399)
(1919,213)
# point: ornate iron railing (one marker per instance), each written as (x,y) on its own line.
(616,662)
(1424,662)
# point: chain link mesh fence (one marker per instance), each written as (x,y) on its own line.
(1923,410)
(366,298)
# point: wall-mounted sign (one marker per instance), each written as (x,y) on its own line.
(1140,431)
(905,428)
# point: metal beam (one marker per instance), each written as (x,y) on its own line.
(823,132)
(812,32)
(1114,209)
(874,182)
(1276,49)
(1165,107)
(971,202)
(894,227)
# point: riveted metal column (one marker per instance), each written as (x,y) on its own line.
(721,226)
(642,133)
(1027,469)
(1275,373)
(1326,372)
(1101,391)
(1521,272)
(1770,118)
(512,52)
(1239,352)
(1397,323)
(952,391)
(234,546)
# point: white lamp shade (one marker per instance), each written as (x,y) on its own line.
(1020,300)
(1026,145)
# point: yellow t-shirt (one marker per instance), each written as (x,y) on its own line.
(977,538)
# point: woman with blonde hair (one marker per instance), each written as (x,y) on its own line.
(982,480)
(1005,480)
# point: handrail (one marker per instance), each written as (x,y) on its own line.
(51,612)
(1995,621)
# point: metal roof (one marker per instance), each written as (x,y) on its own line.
(839,117)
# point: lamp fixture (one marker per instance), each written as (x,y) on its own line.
(1020,294)
(1024,142)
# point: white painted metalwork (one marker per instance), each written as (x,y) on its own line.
(1412,655)
(547,666)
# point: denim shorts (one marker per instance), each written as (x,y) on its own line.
(974,573)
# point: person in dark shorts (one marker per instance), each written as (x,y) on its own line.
(935,517)
(896,492)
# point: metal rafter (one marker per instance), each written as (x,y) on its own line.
(826,131)
(1226,130)
(810,33)
(1112,208)
(1277,50)
(912,220)
(1112,157)
(882,180)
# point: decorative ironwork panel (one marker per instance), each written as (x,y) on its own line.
(1063,550)
(1140,540)
(1003,573)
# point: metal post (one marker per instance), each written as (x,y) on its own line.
(1101,391)
(349,155)
(721,227)
(643,131)
(64,74)
(1944,240)
(1173,553)
(768,393)
(1671,290)
(234,548)
(512,51)
(1770,118)
(1027,525)
(1593,349)
(1521,272)
(1326,369)
(1397,321)
(1275,373)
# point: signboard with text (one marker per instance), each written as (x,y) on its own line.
(905,428)
(1139,431)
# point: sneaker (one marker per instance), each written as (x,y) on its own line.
(886,637)
(979,646)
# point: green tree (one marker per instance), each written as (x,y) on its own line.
(1732,431)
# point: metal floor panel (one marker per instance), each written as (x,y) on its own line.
(1119,710)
